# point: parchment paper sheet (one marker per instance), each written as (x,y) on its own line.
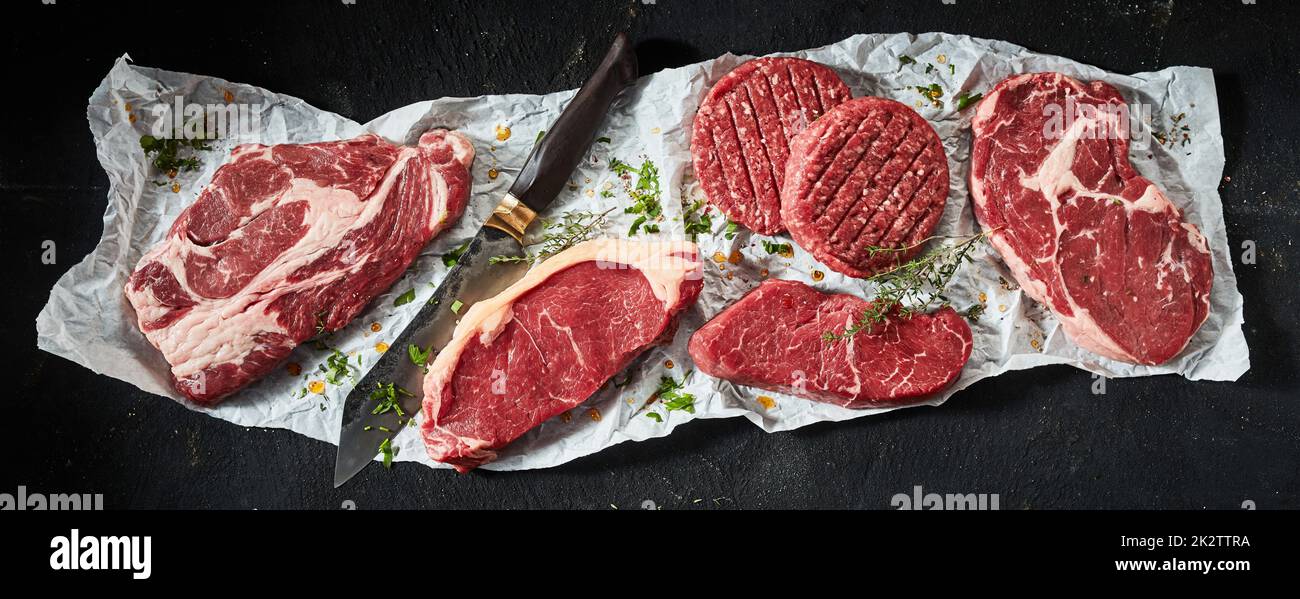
(87,319)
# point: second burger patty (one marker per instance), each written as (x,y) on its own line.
(868,175)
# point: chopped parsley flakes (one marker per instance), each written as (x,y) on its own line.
(387,397)
(451,258)
(671,395)
(405,298)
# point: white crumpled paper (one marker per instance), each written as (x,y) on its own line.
(88,321)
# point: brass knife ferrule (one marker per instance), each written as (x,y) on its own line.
(511,216)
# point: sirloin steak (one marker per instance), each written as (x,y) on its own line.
(551,340)
(772,339)
(870,174)
(741,134)
(1079,228)
(285,243)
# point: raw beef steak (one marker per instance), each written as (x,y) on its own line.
(772,339)
(1080,229)
(285,243)
(551,340)
(870,174)
(742,131)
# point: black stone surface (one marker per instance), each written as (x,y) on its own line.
(1038,438)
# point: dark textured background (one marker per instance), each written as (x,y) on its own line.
(1038,438)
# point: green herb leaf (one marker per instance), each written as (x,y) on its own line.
(336,367)
(932,93)
(906,60)
(167,156)
(602,140)
(419,357)
(452,258)
(671,396)
(654,416)
(964,100)
(405,298)
(456,306)
(636,224)
(387,398)
(732,230)
(974,312)
(386,448)
(772,247)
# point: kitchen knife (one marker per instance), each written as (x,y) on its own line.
(369,422)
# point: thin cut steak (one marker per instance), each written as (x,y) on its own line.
(288,242)
(1079,228)
(772,339)
(740,138)
(870,174)
(551,340)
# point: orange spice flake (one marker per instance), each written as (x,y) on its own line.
(735,257)
(767,402)
(668,364)
(818,275)
(566,417)
(317,387)
(984,297)
(376,327)
(593,414)
(293,368)
(503,132)
(381,347)
(493,174)
(229,96)
(719,257)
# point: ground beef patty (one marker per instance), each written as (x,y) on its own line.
(742,133)
(870,174)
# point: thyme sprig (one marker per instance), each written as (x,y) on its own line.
(913,287)
(560,234)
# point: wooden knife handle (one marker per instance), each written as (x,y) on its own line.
(561,149)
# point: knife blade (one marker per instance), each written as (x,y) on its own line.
(370,422)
